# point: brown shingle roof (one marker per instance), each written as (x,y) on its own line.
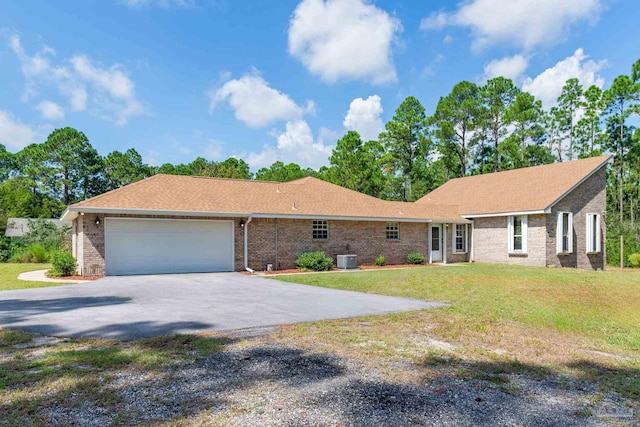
(303,197)
(520,190)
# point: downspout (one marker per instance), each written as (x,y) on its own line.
(246,251)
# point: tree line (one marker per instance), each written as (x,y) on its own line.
(475,129)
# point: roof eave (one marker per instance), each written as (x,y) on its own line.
(72,213)
(509,213)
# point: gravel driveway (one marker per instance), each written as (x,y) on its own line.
(129,307)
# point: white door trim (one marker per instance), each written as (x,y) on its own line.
(433,258)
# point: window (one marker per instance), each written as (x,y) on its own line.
(393,231)
(564,233)
(460,239)
(320,230)
(593,233)
(517,234)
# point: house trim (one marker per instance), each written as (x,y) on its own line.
(71,213)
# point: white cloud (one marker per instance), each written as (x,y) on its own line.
(106,92)
(364,117)
(511,67)
(213,149)
(547,86)
(50,110)
(435,21)
(152,158)
(296,144)
(264,158)
(524,24)
(13,133)
(344,39)
(255,102)
(447,39)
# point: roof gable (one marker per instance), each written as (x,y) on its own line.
(532,189)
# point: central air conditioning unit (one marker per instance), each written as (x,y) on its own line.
(347,262)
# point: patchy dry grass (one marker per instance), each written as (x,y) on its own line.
(64,373)
(580,324)
(9,276)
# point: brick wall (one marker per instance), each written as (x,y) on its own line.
(491,241)
(589,197)
(280,241)
(367,239)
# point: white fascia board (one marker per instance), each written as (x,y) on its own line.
(72,212)
(515,213)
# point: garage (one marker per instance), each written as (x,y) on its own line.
(157,246)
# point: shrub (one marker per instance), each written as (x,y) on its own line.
(21,256)
(415,258)
(634,260)
(380,261)
(38,254)
(316,261)
(63,264)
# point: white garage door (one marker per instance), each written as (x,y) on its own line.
(152,246)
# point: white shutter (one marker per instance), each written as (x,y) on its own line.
(589,238)
(524,234)
(559,234)
(598,234)
(510,234)
(570,232)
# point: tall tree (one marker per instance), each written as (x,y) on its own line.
(231,168)
(120,169)
(281,172)
(7,163)
(405,139)
(72,165)
(525,114)
(357,165)
(569,102)
(587,131)
(620,104)
(455,119)
(498,95)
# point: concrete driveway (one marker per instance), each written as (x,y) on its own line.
(128,307)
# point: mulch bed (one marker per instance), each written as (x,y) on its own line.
(362,267)
(74,277)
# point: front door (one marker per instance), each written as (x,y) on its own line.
(436,243)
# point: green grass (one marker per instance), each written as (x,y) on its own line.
(9,276)
(501,320)
(600,305)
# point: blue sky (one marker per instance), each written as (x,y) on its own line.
(267,81)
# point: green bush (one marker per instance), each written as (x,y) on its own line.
(32,254)
(38,254)
(316,261)
(380,261)
(415,258)
(634,260)
(63,264)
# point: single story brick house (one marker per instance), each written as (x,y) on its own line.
(544,215)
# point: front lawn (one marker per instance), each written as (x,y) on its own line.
(9,276)
(579,323)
